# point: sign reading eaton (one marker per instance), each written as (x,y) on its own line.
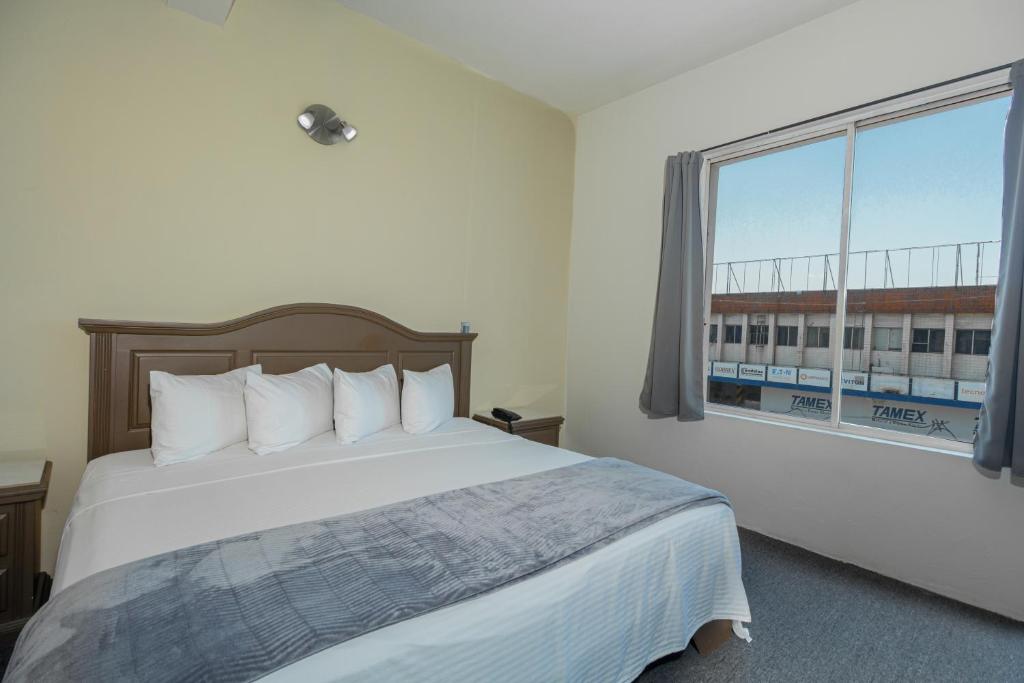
(782,375)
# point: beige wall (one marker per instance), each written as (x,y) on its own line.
(151,168)
(924,517)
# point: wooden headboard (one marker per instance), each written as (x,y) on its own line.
(282,339)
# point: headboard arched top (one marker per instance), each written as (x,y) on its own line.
(282,339)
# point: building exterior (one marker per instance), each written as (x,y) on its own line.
(914,358)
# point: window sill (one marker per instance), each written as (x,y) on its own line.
(848,431)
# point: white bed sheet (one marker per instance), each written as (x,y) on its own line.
(601,617)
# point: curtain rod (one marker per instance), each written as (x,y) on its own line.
(859,106)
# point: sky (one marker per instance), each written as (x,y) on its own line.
(929,180)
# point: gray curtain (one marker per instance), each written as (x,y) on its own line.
(673,386)
(998,444)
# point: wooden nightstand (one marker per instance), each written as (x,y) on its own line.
(23,486)
(539,429)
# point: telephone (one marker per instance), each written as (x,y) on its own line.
(505,415)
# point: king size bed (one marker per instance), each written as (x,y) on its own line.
(484,556)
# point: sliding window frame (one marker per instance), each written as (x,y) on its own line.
(931,101)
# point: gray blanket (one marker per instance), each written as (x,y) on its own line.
(240,608)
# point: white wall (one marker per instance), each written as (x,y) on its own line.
(923,517)
(151,169)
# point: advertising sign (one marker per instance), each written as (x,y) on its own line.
(890,384)
(781,374)
(858,381)
(815,377)
(946,422)
(933,387)
(809,404)
(752,372)
(971,391)
(724,370)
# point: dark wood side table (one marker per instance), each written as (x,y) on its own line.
(23,487)
(539,429)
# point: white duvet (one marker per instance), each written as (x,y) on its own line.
(602,617)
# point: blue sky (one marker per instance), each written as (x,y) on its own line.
(923,181)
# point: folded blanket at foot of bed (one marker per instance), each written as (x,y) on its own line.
(240,608)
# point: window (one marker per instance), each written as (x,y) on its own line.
(759,335)
(713,333)
(817,338)
(887,339)
(928,341)
(973,342)
(795,226)
(734,334)
(785,335)
(853,338)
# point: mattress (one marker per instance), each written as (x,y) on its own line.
(601,617)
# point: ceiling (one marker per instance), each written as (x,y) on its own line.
(579,54)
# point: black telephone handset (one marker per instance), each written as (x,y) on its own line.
(505,415)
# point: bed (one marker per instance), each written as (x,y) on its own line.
(600,617)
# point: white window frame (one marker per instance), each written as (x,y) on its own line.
(845,124)
(931,335)
(792,335)
(888,338)
(755,336)
(974,341)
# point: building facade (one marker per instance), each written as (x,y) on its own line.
(914,359)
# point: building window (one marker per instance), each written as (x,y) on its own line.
(785,335)
(759,335)
(973,342)
(928,340)
(798,229)
(817,338)
(713,333)
(887,338)
(734,334)
(853,338)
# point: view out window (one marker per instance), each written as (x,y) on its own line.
(713,333)
(817,338)
(759,335)
(853,338)
(973,342)
(785,335)
(734,334)
(761,202)
(924,210)
(928,341)
(887,339)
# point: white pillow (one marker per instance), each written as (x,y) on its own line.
(194,415)
(284,410)
(428,399)
(365,402)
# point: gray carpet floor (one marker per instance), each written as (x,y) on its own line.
(817,619)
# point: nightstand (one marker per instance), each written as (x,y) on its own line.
(534,428)
(23,487)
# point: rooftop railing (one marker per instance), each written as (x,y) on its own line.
(937,265)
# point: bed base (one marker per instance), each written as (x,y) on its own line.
(712,636)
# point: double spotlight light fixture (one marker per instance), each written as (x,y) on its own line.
(324,126)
